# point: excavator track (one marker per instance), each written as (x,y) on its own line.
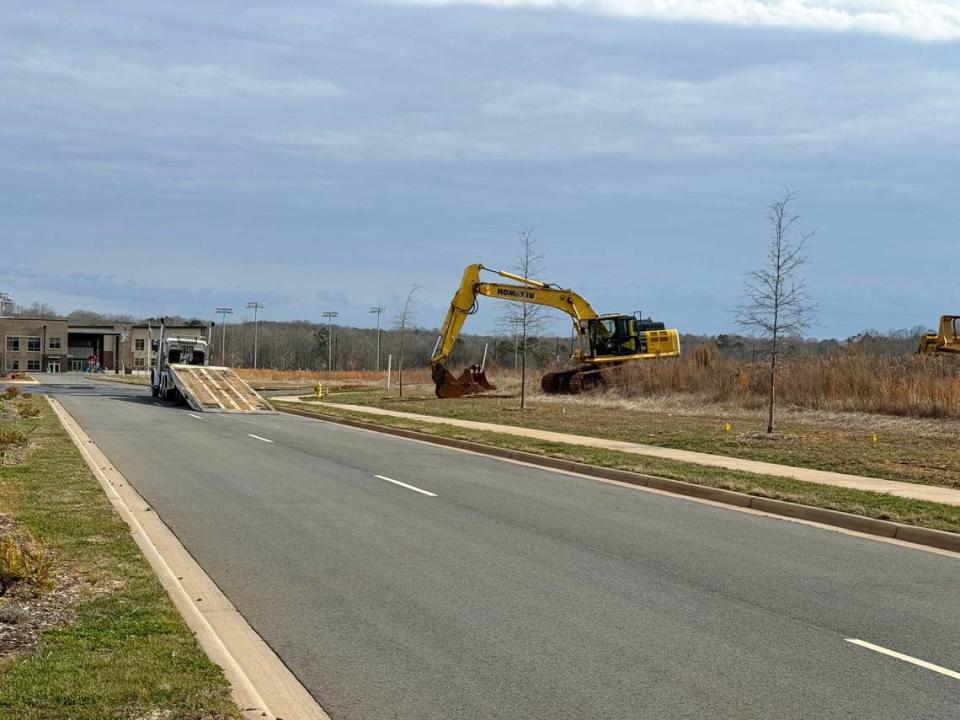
(574,382)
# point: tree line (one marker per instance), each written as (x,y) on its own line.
(300,344)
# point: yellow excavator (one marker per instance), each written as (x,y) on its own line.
(947,340)
(605,340)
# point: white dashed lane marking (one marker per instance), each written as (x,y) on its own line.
(408,487)
(906,658)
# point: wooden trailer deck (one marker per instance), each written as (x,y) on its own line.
(216,389)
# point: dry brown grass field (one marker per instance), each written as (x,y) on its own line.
(911,386)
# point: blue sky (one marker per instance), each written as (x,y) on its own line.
(169,158)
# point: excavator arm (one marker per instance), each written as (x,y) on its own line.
(530,291)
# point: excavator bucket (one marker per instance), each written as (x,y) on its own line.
(472,381)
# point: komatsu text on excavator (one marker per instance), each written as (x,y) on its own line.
(605,341)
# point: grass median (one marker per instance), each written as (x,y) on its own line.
(868,504)
(100,639)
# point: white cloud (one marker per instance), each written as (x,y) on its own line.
(917,19)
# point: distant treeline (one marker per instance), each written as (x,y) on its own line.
(303,345)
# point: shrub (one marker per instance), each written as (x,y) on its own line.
(13,615)
(23,559)
(11,392)
(11,436)
(27,409)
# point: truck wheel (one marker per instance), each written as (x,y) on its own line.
(155,391)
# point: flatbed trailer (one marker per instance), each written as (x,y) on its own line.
(208,388)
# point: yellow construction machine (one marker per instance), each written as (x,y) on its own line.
(605,341)
(947,340)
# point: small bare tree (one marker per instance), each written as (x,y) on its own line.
(403,320)
(777,304)
(525,321)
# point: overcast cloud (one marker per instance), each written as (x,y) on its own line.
(920,19)
(171,158)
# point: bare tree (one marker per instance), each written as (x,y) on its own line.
(403,321)
(777,304)
(524,320)
(37,311)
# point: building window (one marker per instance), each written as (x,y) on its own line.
(139,344)
(54,343)
(13,364)
(13,344)
(138,362)
(33,343)
(33,364)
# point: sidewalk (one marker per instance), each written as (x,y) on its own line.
(931,493)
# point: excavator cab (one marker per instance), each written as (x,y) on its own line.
(619,335)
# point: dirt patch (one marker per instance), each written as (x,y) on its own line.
(764,438)
(14,454)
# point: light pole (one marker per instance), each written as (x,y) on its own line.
(330,315)
(379,310)
(255,305)
(223,312)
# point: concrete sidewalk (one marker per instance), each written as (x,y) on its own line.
(914,491)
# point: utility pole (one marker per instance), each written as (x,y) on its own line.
(255,305)
(379,310)
(223,312)
(330,315)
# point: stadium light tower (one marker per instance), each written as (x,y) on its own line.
(330,315)
(223,312)
(255,305)
(379,310)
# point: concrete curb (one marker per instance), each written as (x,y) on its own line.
(848,521)
(261,685)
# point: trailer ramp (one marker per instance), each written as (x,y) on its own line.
(216,389)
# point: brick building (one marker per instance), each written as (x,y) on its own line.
(54,345)
(35,345)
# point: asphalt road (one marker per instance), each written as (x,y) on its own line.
(515,592)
